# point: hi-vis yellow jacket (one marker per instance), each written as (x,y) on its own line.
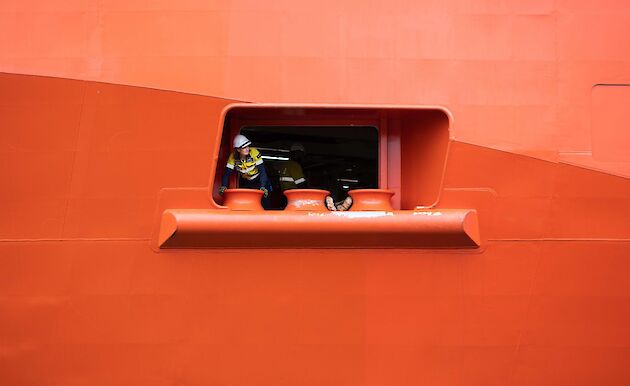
(291,175)
(246,168)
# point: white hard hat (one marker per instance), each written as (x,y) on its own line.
(297,147)
(241,141)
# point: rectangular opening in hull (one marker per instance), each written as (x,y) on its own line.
(408,145)
(333,158)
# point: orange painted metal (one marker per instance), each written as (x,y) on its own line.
(83,281)
(371,199)
(90,160)
(196,228)
(306,200)
(243,199)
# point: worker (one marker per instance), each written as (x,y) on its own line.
(248,162)
(290,173)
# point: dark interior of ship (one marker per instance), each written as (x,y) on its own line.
(335,158)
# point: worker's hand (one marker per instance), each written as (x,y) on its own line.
(265,192)
(222,190)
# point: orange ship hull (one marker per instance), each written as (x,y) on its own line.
(110,115)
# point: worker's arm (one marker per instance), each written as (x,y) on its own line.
(225,180)
(229,168)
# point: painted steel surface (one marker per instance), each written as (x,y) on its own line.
(519,75)
(538,93)
(87,297)
(196,228)
(306,200)
(243,199)
(371,199)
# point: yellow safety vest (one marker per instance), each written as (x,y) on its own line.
(247,167)
(291,175)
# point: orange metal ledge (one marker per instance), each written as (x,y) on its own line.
(216,228)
